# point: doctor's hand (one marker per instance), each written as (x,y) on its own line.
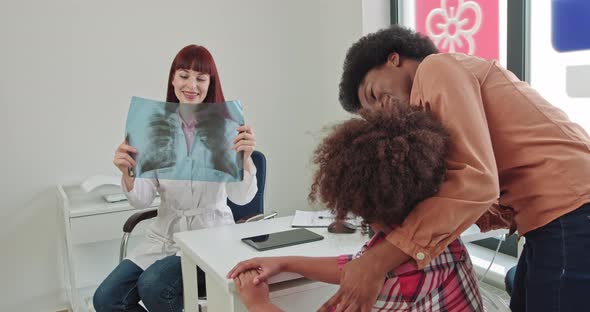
(266,267)
(245,141)
(123,161)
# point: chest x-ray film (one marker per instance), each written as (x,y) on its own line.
(155,129)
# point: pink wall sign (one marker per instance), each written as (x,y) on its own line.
(467,26)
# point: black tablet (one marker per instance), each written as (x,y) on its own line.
(282,239)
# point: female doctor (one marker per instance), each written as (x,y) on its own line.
(152,272)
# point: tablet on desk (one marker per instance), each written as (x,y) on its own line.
(282,239)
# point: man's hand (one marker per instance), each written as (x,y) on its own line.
(360,284)
(361,279)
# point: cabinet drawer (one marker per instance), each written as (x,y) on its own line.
(301,294)
(101,227)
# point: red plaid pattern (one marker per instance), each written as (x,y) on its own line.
(446,284)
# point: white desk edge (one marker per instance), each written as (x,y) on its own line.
(471,234)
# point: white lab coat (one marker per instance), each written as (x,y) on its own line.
(185,205)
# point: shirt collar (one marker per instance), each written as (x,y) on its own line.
(187,125)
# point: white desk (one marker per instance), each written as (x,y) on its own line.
(217,250)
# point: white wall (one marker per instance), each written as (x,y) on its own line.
(68,69)
(376,15)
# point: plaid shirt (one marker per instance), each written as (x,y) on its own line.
(447,283)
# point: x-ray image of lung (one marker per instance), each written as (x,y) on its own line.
(154,128)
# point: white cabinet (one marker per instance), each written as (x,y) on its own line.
(92,234)
(301,294)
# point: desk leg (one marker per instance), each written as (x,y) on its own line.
(189,283)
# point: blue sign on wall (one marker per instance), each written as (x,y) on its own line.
(570,25)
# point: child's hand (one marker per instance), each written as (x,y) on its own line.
(252,296)
(266,268)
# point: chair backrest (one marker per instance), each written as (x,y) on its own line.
(256,206)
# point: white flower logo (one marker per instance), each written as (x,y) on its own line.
(451,30)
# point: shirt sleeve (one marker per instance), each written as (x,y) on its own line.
(443,86)
(143,193)
(244,191)
(343,260)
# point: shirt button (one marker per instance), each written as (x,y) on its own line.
(420,256)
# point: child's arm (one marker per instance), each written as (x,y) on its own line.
(324,269)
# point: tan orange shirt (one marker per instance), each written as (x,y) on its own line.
(508,144)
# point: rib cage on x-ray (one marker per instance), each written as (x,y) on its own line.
(156,129)
(211,127)
(162,130)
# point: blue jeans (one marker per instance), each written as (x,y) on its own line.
(553,273)
(159,288)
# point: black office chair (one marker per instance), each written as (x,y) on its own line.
(252,211)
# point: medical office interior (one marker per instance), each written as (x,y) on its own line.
(68,70)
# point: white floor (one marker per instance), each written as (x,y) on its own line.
(495,299)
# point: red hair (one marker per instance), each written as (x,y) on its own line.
(199,59)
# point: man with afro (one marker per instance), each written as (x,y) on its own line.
(514,161)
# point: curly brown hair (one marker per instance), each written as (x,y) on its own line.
(380,166)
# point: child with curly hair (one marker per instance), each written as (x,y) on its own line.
(378,167)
